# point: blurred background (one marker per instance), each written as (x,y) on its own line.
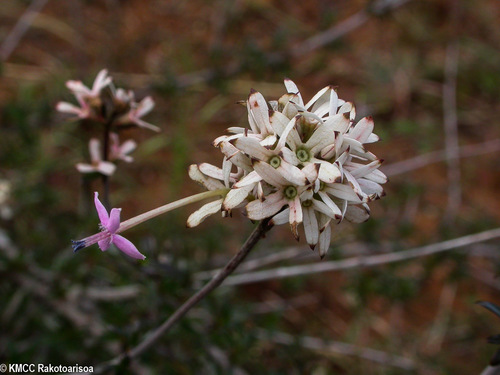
(428,71)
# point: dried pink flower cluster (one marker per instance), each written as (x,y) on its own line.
(116,107)
(298,163)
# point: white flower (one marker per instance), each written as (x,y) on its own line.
(298,163)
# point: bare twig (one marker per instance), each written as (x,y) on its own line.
(337,347)
(362,261)
(20,28)
(451,130)
(252,264)
(256,235)
(421,161)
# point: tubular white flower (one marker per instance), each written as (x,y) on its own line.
(297,163)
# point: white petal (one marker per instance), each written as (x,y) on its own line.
(296,216)
(342,191)
(289,156)
(324,240)
(316,97)
(235,156)
(281,217)
(278,122)
(357,214)
(292,174)
(370,187)
(334,102)
(360,170)
(205,211)
(339,122)
(250,179)
(311,172)
(236,196)
(372,138)
(292,88)
(209,183)
(259,111)
(253,148)
(331,204)
(258,210)
(310,227)
(322,137)
(269,141)
(269,174)
(324,209)
(362,130)
(329,173)
(376,176)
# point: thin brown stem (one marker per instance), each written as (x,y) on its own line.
(151,338)
(105,157)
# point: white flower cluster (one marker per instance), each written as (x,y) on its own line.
(298,163)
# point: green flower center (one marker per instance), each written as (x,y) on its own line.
(303,155)
(307,203)
(290,192)
(275,161)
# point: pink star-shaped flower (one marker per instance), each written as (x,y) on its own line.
(110,225)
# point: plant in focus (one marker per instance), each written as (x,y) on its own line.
(298,164)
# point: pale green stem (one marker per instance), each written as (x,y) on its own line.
(127,224)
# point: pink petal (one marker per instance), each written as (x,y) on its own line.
(106,168)
(144,124)
(85,168)
(114,220)
(95,150)
(145,106)
(104,244)
(127,247)
(101,211)
(69,108)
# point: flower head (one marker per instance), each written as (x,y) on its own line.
(301,163)
(88,98)
(110,226)
(135,110)
(119,151)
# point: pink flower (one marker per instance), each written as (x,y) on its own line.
(96,163)
(120,151)
(137,110)
(110,225)
(87,98)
